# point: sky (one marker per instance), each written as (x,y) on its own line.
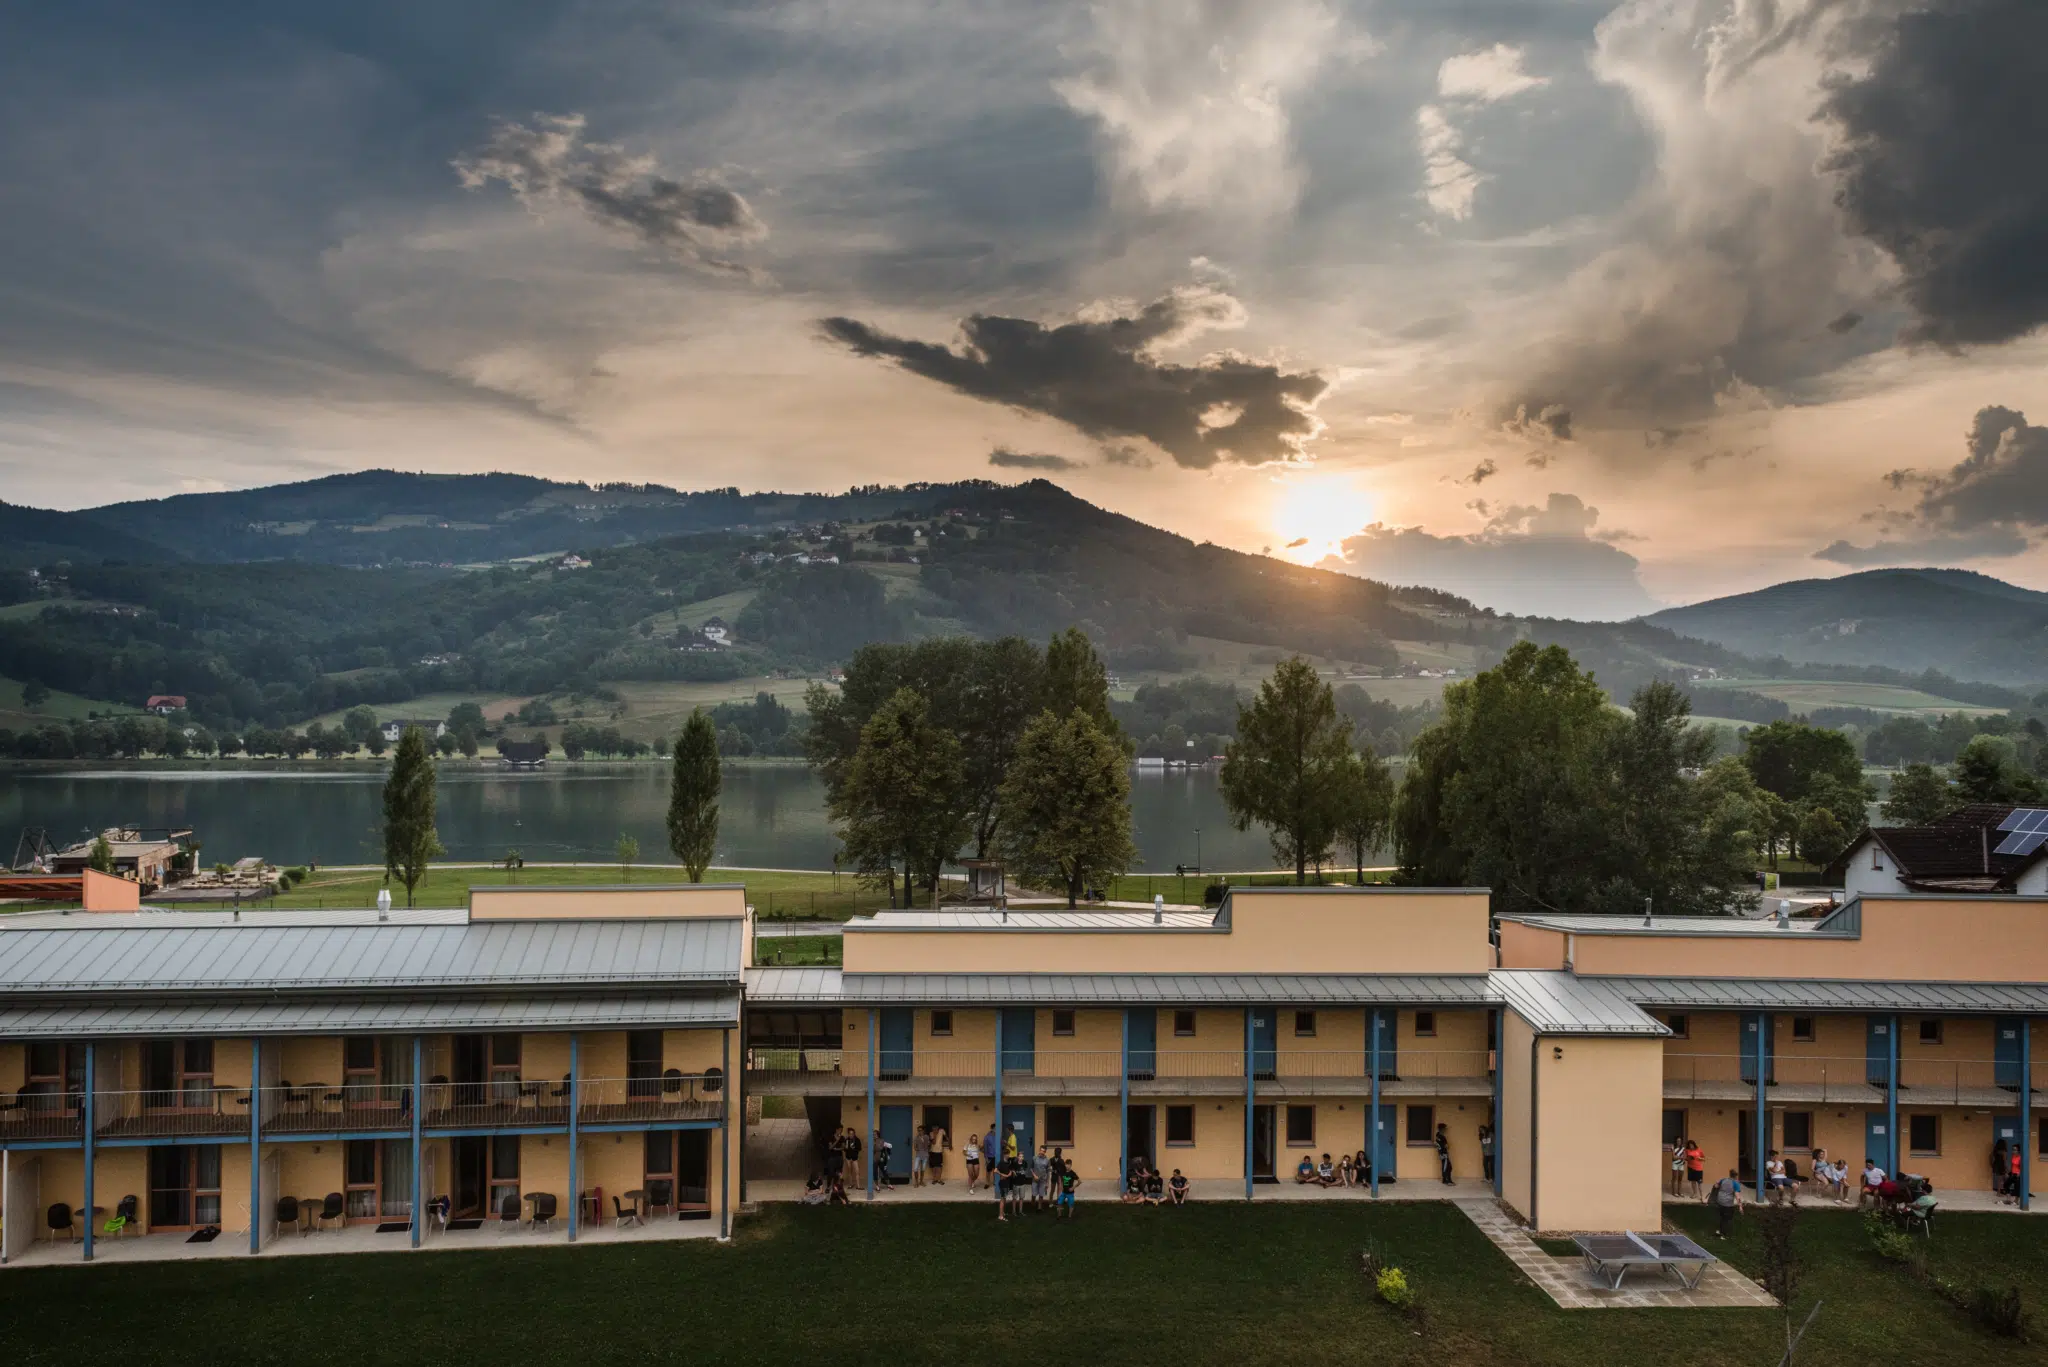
(1574,308)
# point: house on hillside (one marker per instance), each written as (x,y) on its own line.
(716,631)
(163,704)
(396,728)
(573,562)
(1985,848)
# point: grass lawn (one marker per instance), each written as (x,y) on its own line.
(772,894)
(798,951)
(1208,1284)
(62,707)
(1805,694)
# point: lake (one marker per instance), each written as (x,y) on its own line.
(771,816)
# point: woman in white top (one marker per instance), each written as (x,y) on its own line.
(971,1156)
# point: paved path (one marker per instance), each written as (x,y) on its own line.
(1565,1280)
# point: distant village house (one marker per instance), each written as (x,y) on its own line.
(163,704)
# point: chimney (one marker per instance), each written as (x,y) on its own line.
(1158,908)
(1647,902)
(383,904)
(1784,913)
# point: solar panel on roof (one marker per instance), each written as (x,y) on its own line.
(2022,842)
(2025,819)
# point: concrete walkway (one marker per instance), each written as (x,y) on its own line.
(1566,1281)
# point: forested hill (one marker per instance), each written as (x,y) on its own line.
(274,643)
(1965,624)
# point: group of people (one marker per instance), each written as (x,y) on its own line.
(1144,1186)
(2006,1161)
(1350,1170)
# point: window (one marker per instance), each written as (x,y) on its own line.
(1798,1129)
(1674,1125)
(643,1063)
(1425,1022)
(504,1174)
(178,1073)
(1422,1125)
(505,1068)
(1923,1134)
(359,1177)
(1680,1026)
(1063,1022)
(1305,1023)
(942,1022)
(1802,1029)
(1180,1124)
(1183,1023)
(1930,1030)
(941,1117)
(1059,1124)
(55,1071)
(1301,1125)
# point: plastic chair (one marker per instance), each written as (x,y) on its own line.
(127,1211)
(544,1206)
(508,1212)
(286,1213)
(623,1214)
(332,1207)
(1922,1219)
(59,1217)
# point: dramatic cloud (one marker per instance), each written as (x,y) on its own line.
(1191,96)
(1007,459)
(1102,374)
(1528,561)
(1989,504)
(549,162)
(1463,83)
(1942,167)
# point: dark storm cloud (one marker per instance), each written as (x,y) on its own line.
(1989,504)
(1101,374)
(1550,422)
(1943,166)
(550,161)
(1007,459)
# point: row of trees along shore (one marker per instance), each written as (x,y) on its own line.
(1532,783)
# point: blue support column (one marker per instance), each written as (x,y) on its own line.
(86,1106)
(255,1145)
(999,1129)
(1761,1124)
(419,1176)
(575,1186)
(1123,1112)
(867,1140)
(1372,1123)
(1500,1046)
(1248,1103)
(1891,1100)
(2026,1135)
(724,1135)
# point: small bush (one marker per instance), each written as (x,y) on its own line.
(1371,1263)
(2002,1312)
(295,875)
(1891,1243)
(1392,1284)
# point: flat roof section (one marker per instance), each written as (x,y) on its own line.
(1554,1002)
(1830,994)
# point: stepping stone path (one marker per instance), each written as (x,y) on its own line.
(1566,1282)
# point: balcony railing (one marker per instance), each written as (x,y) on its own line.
(1806,1077)
(650,1100)
(187,1112)
(42,1113)
(1414,1069)
(347,1108)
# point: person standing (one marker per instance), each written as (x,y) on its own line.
(1695,1168)
(1070,1181)
(971,1156)
(1041,1178)
(1677,1157)
(991,1150)
(936,1174)
(920,1155)
(1726,1198)
(835,1157)
(1443,1153)
(1486,1156)
(1999,1166)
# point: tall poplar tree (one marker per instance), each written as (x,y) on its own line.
(410,841)
(1067,805)
(693,796)
(1285,767)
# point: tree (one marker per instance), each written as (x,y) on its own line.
(1669,838)
(445,743)
(374,742)
(1919,796)
(1364,807)
(900,799)
(34,694)
(693,796)
(1067,805)
(1790,757)
(467,716)
(1077,680)
(1821,836)
(465,741)
(410,841)
(625,849)
(1988,770)
(1283,769)
(100,859)
(359,722)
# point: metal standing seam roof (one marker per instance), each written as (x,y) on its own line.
(297,958)
(990,919)
(335,1015)
(1191,989)
(1829,994)
(1670,925)
(1554,1002)
(226,917)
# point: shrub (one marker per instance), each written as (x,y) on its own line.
(1892,1244)
(1392,1284)
(2002,1312)
(294,876)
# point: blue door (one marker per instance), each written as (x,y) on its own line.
(894,1043)
(1265,1061)
(1386,1025)
(1877,1062)
(1877,1139)
(1020,1121)
(1141,1053)
(2005,1053)
(1383,1160)
(1020,1039)
(896,1130)
(1756,1044)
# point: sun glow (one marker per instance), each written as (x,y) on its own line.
(1313,513)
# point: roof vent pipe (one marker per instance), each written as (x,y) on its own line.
(1785,913)
(383,904)
(1647,903)
(1158,908)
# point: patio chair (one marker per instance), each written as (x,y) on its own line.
(622,1214)
(508,1212)
(59,1217)
(672,1086)
(127,1211)
(294,1096)
(543,1209)
(714,1078)
(1922,1220)
(286,1213)
(661,1195)
(333,1207)
(17,1102)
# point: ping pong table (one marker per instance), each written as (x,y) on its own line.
(1610,1257)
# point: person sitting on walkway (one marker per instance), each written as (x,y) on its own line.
(1873,1178)
(1155,1190)
(1326,1173)
(1305,1171)
(815,1191)
(1070,1181)
(1726,1199)
(838,1197)
(1361,1169)
(1134,1183)
(1178,1188)
(1344,1170)
(1777,1185)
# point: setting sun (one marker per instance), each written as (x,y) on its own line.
(1313,513)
